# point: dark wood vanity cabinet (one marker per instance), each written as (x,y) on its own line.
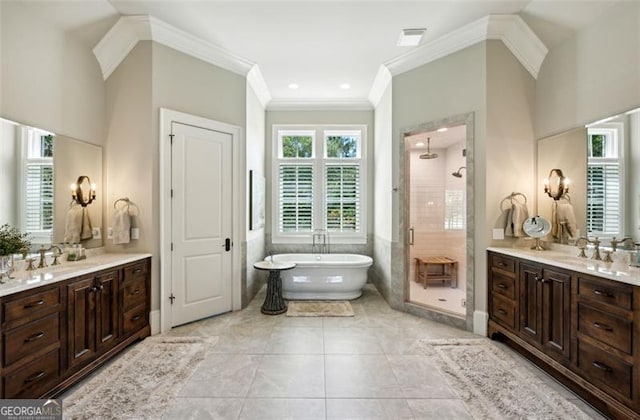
(92,314)
(52,336)
(581,329)
(544,308)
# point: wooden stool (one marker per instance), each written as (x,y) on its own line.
(448,270)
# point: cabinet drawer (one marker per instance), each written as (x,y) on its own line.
(504,311)
(135,319)
(611,330)
(603,368)
(135,271)
(134,292)
(503,263)
(33,304)
(30,338)
(615,294)
(33,379)
(503,285)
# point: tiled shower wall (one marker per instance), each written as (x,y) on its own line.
(429,179)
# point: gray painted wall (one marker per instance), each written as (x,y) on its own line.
(48,79)
(592,75)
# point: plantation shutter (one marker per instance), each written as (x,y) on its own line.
(342,187)
(39,197)
(603,198)
(296,198)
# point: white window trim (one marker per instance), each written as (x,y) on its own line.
(319,162)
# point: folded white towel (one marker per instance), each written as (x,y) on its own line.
(519,214)
(121,226)
(73,224)
(86,232)
(567,217)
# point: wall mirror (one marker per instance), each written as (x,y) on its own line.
(602,160)
(36,169)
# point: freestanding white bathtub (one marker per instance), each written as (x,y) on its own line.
(324,276)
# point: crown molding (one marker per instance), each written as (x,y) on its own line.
(319,105)
(523,43)
(259,86)
(129,30)
(380,84)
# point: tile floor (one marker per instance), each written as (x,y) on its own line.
(364,367)
(440,297)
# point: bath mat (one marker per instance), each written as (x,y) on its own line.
(494,384)
(319,308)
(142,382)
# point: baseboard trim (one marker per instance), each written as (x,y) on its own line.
(480,322)
(154,320)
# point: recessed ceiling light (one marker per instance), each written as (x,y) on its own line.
(410,37)
(345,86)
(293,86)
(420,144)
(442,129)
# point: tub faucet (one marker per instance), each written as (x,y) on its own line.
(320,242)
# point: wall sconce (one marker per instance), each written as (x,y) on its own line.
(556,186)
(83,191)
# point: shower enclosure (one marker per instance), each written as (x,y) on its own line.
(435,165)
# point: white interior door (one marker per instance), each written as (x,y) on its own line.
(201,222)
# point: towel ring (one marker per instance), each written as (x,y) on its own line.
(125,199)
(512,197)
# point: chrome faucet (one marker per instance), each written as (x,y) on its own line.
(596,249)
(43,258)
(320,244)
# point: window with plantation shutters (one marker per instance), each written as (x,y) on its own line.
(320,173)
(342,185)
(38,185)
(604,181)
(295,198)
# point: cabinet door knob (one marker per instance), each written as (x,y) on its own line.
(602,326)
(135,317)
(601,366)
(502,311)
(502,286)
(137,271)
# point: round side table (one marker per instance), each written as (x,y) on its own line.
(274,303)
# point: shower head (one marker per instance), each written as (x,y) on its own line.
(428,155)
(457,173)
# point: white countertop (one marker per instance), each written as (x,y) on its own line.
(24,280)
(619,270)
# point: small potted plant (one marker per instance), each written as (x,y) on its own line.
(12,241)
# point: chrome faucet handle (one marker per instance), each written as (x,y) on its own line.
(30,266)
(581,243)
(57,252)
(43,258)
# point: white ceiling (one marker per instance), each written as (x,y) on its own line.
(317,44)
